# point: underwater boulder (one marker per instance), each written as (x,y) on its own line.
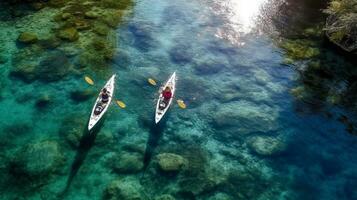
(43,101)
(72,129)
(53,67)
(208,68)
(244,117)
(220,196)
(3,59)
(251,183)
(50,43)
(169,162)
(112,19)
(27,38)
(165,197)
(101,29)
(181,54)
(37,160)
(123,190)
(91,14)
(82,95)
(68,34)
(104,139)
(266,145)
(121,58)
(128,163)
(26,73)
(143,39)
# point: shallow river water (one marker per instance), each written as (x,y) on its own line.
(245,134)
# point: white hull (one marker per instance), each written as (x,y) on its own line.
(93,120)
(159,113)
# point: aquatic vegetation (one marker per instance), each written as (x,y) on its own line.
(341,24)
(300,49)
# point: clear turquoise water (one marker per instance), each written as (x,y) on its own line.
(237,90)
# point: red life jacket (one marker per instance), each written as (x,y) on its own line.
(167,94)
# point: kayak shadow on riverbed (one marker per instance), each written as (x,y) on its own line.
(155,134)
(86,143)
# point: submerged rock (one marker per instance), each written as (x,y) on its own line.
(101,29)
(43,101)
(220,196)
(3,59)
(37,160)
(266,145)
(53,67)
(181,54)
(91,14)
(69,34)
(165,197)
(244,117)
(26,73)
(169,162)
(128,163)
(208,68)
(82,95)
(27,38)
(123,190)
(72,129)
(50,43)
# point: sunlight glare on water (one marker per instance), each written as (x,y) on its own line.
(241,18)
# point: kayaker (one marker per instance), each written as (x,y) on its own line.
(167,94)
(105,95)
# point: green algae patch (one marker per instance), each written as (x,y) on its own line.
(27,38)
(83,30)
(341,22)
(300,49)
(122,4)
(69,34)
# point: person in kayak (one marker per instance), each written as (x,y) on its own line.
(104,95)
(167,94)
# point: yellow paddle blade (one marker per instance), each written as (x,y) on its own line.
(121,104)
(152,81)
(89,80)
(181,104)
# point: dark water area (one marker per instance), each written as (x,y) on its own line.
(270,114)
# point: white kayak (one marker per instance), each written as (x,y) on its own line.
(99,107)
(162,106)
